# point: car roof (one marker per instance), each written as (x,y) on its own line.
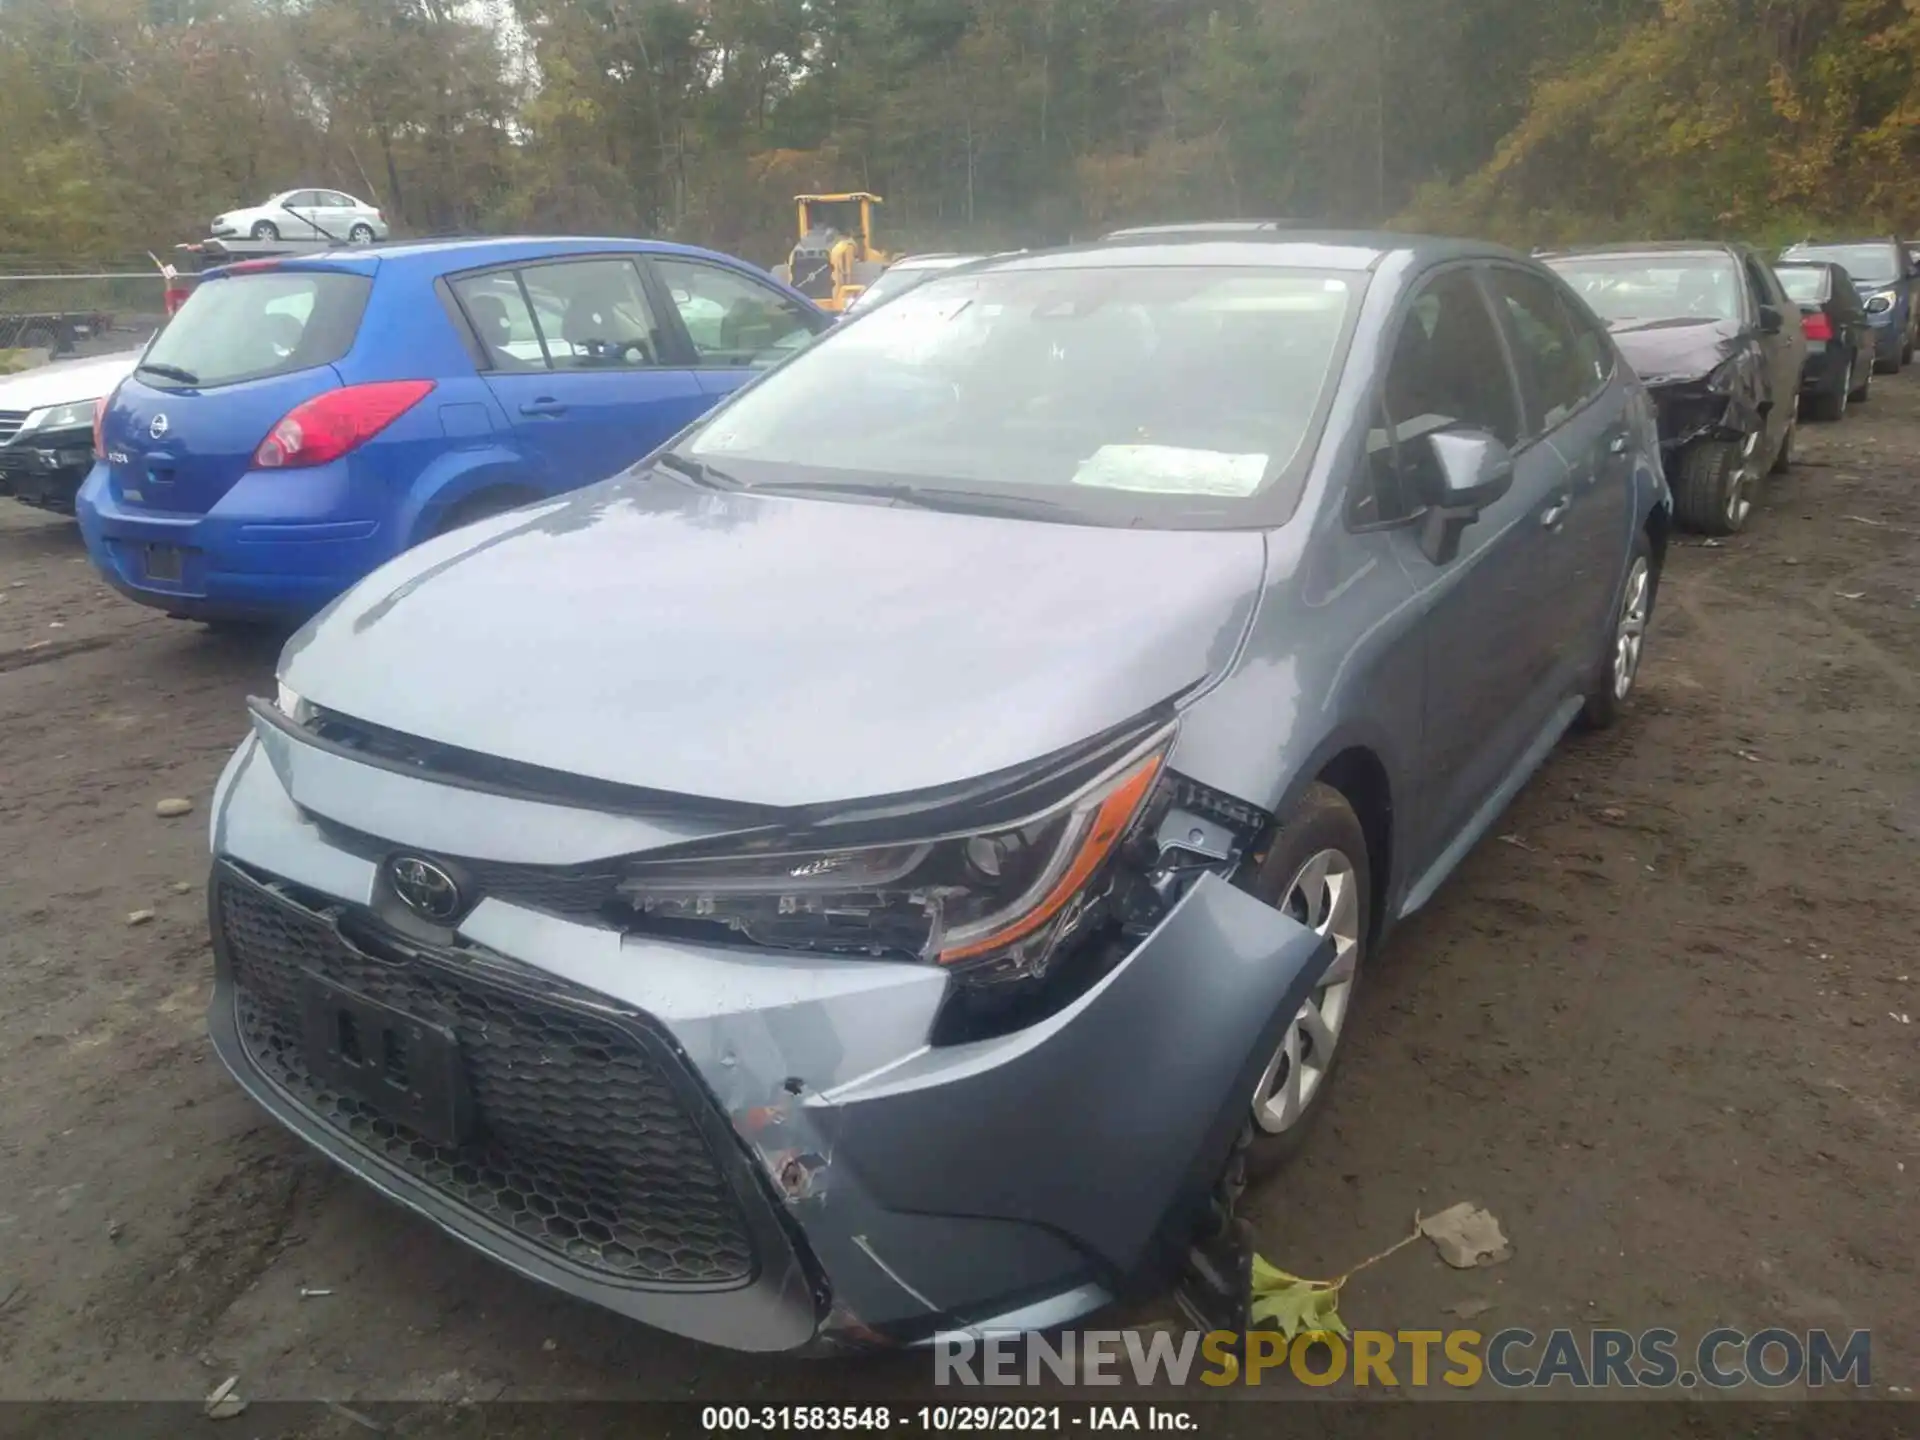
(1359,251)
(1674,248)
(476,252)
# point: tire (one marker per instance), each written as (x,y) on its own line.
(1619,664)
(1889,367)
(1322,832)
(1830,406)
(1783,457)
(360,235)
(1906,352)
(265,230)
(480,507)
(1864,374)
(1714,491)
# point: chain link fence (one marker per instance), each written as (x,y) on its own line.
(52,311)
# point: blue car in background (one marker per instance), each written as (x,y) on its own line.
(1888,279)
(302,420)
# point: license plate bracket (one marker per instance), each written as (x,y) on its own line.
(406,1068)
(165,563)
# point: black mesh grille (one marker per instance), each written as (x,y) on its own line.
(583,1147)
(577,894)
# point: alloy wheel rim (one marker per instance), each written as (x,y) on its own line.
(1630,638)
(1737,502)
(1325,897)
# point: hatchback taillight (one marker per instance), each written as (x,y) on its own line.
(1817,325)
(328,426)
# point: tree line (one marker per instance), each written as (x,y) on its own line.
(130,123)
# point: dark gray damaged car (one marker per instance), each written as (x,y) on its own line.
(886,865)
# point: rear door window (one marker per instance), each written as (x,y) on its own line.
(503,320)
(248,327)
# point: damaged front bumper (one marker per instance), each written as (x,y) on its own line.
(756,1149)
(1702,409)
(45,471)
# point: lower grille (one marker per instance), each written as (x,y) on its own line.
(584,1147)
(10,423)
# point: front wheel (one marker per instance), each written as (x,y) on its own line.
(265,230)
(1316,872)
(361,235)
(1714,490)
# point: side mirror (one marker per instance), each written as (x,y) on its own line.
(1465,472)
(1771,320)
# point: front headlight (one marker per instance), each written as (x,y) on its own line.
(990,899)
(1881,303)
(76,416)
(290,704)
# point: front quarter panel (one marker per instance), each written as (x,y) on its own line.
(1108,1123)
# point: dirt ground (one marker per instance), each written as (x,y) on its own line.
(1659,1026)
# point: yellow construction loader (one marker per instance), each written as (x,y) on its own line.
(835,258)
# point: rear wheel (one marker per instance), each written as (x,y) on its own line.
(361,235)
(1315,871)
(481,507)
(1862,373)
(265,230)
(1831,405)
(1619,664)
(1716,478)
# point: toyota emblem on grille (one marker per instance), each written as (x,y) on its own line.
(424,887)
(157,427)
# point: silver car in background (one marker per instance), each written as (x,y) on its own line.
(304,215)
(892,861)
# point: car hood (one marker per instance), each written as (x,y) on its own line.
(772,650)
(66,381)
(1664,351)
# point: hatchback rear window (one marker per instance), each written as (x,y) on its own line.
(1804,284)
(247,327)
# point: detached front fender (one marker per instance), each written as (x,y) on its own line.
(1108,1123)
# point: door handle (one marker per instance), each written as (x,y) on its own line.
(1556,512)
(543,405)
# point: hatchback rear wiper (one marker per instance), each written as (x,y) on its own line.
(168,372)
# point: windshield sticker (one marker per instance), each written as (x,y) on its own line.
(1171,470)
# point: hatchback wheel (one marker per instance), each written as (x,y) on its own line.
(1316,872)
(265,230)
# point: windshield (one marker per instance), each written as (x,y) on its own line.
(1869,264)
(1623,288)
(249,326)
(896,282)
(1119,394)
(1804,284)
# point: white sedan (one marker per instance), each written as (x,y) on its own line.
(305,215)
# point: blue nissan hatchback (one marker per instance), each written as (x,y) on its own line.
(299,421)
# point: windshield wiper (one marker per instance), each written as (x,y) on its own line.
(924,497)
(168,372)
(698,471)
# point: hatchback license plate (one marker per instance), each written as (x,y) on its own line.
(163,562)
(406,1068)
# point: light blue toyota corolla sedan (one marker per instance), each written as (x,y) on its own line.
(894,861)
